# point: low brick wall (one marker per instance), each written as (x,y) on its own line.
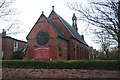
(58,73)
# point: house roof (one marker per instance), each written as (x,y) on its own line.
(22,50)
(73,32)
(13,39)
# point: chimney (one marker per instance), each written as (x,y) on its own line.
(3,33)
(74,22)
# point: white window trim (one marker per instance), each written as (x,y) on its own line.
(15,47)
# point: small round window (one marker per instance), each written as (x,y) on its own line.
(42,37)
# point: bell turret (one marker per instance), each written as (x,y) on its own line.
(74,22)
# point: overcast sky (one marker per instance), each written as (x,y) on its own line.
(30,10)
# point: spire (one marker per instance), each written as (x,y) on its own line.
(74,20)
(74,17)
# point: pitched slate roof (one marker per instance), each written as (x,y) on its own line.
(61,34)
(13,39)
(22,50)
(73,32)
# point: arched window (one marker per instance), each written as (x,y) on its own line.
(77,49)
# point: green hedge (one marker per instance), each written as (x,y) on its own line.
(72,64)
(17,56)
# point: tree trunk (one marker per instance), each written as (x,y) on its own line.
(107,54)
(119,29)
(119,48)
(119,53)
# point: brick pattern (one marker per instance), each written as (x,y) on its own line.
(59,73)
(77,50)
(60,49)
(8,46)
(53,42)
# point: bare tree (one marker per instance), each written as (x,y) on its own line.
(105,41)
(112,54)
(10,25)
(104,14)
(5,9)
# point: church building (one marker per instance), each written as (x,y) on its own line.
(53,38)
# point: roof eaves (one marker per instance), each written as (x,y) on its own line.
(13,39)
(81,42)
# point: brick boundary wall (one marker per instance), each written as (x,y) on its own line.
(59,73)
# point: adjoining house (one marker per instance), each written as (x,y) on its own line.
(93,53)
(10,46)
(53,38)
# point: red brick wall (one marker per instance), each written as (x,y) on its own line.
(54,50)
(58,47)
(53,14)
(78,51)
(83,49)
(7,47)
(53,42)
(72,74)
(60,24)
(62,28)
(31,37)
(71,50)
(42,26)
(21,44)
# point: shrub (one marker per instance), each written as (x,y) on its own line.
(59,64)
(17,55)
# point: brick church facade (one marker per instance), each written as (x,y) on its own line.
(53,38)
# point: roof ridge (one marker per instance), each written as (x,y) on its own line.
(65,21)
